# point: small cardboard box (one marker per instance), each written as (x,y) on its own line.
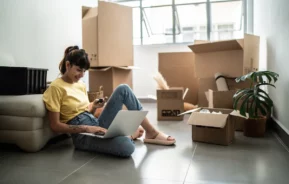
(107,34)
(213,128)
(178,68)
(109,78)
(170,103)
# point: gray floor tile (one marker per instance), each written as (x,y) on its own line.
(248,160)
(28,175)
(148,161)
(61,157)
(92,179)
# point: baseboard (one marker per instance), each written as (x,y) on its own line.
(281,131)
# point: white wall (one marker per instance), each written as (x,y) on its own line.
(35,33)
(146,57)
(272,23)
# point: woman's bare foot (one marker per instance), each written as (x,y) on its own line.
(138,133)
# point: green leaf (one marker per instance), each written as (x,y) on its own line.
(243,109)
(262,110)
(267,100)
(268,108)
(251,109)
(264,92)
(265,84)
(256,108)
(239,92)
(260,78)
(244,77)
(268,77)
(272,75)
(238,97)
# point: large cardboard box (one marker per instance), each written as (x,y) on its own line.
(213,128)
(109,78)
(232,58)
(170,104)
(178,68)
(107,34)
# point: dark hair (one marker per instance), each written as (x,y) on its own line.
(75,56)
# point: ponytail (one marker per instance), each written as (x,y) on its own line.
(68,50)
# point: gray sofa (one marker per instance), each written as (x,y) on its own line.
(24,122)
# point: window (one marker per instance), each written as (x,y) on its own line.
(183,21)
(190,22)
(226,24)
(157,25)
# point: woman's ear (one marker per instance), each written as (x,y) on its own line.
(67,65)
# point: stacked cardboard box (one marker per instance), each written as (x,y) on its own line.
(107,38)
(232,58)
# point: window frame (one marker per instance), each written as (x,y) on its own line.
(176,27)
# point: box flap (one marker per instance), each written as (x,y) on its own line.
(89,12)
(210,120)
(190,111)
(84,10)
(221,99)
(127,67)
(111,67)
(200,41)
(115,34)
(217,46)
(204,85)
(100,68)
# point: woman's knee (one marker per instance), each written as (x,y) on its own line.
(125,147)
(123,88)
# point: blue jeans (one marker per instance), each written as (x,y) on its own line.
(120,146)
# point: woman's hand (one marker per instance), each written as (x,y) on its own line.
(95,129)
(98,103)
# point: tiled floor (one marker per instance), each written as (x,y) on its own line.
(248,160)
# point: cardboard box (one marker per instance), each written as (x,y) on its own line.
(109,78)
(213,128)
(178,68)
(170,103)
(107,34)
(224,99)
(209,96)
(232,58)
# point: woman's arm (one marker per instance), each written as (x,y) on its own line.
(59,127)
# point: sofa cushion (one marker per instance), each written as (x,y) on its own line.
(23,105)
(21,123)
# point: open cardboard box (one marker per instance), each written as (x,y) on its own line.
(232,58)
(170,103)
(213,128)
(221,99)
(107,34)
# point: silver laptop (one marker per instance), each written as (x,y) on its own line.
(125,123)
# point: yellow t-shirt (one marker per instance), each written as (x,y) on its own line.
(67,99)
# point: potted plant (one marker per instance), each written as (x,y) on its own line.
(254,102)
